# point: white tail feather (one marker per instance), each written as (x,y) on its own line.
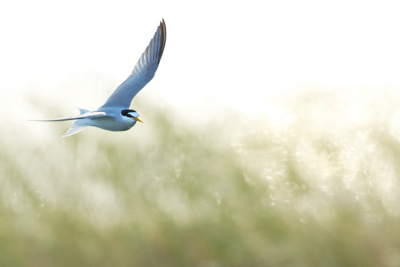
(83,111)
(78,126)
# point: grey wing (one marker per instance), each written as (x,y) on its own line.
(84,116)
(142,73)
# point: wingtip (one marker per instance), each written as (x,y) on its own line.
(163,28)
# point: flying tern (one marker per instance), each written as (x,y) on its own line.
(115,114)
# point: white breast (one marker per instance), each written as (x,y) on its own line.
(121,123)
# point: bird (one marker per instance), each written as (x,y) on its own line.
(114,114)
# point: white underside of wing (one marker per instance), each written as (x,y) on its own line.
(88,115)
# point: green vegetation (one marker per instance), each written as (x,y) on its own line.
(314,183)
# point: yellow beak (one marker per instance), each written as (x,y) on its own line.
(137,119)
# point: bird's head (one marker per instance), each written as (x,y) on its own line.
(130,113)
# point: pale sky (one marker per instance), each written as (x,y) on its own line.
(240,54)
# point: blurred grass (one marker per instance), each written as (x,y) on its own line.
(314,183)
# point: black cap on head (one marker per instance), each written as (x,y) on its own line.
(125,112)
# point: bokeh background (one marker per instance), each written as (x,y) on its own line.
(270,135)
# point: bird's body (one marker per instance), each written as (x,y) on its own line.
(114,114)
(112,122)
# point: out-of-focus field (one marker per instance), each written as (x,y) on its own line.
(316,182)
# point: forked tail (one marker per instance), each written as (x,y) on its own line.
(78,126)
(82,121)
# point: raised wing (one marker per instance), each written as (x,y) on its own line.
(142,73)
(84,116)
